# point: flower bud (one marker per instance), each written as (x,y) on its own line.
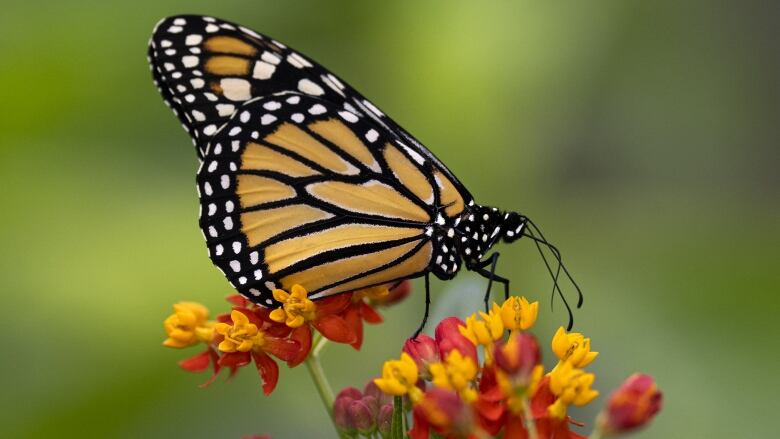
(518,356)
(448,338)
(341,409)
(361,415)
(423,351)
(381,397)
(631,406)
(384,419)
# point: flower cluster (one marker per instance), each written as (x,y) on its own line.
(366,413)
(253,334)
(454,394)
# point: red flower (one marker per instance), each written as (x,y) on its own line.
(631,406)
(242,338)
(423,351)
(449,338)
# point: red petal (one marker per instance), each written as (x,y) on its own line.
(335,328)
(369,314)
(420,428)
(214,357)
(238,300)
(515,429)
(333,304)
(542,399)
(235,359)
(355,323)
(282,348)
(302,335)
(198,363)
(490,410)
(268,369)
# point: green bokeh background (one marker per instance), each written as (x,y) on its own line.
(642,136)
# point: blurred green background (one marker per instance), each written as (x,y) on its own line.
(642,136)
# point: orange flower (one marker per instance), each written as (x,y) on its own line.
(242,339)
(300,314)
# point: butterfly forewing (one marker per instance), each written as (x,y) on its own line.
(302,179)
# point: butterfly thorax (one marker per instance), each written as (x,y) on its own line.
(481,227)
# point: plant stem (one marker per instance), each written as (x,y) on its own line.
(596,434)
(530,425)
(314,367)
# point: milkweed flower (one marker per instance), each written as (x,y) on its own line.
(631,406)
(444,412)
(571,386)
(483,331)
(449,338)
(457,372)
(517,313)
(188,325)
(573,347)
(399,377)
(424,351)
(242,340)
(300,313)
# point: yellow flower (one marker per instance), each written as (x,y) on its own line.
(517,313)
(188,325)
(241,336)
(484,331)
(572,347)
(296,308)
(399,377)
(572,386)
(456,372)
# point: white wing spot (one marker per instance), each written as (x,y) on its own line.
(189,61)
(267,119)
(236,247)
(228,223)
(293,100)
(263,70)
(225,110)
(272,105)
(297,117)
(224,181)
(210,130)
(348,116)
(193,40)
(298,61)
(236,89)
(309,87)
(317,109)
(372,135)
(270,58)
(235,265)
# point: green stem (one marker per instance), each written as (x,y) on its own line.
(596,434)
(314,367)
(530,425)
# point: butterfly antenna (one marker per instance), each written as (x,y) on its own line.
(529,234)
(539,241)
(557,253)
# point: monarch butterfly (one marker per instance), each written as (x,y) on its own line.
(304,181)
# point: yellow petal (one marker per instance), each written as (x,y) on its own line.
(560,343)
(280,295)
(277,315)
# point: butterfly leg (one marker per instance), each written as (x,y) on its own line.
(491,276)
(427,306)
